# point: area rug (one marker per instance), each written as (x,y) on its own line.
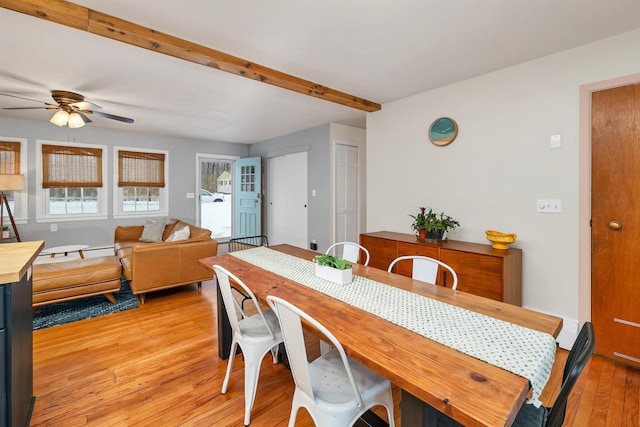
(84,308)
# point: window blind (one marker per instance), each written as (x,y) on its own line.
(64,167)
(9,158)
(137,169)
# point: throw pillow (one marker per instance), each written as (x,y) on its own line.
(180,233)
(152,232)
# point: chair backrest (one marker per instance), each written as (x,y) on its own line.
(350,251)
(425,268)
(231,304)
(291,325)
(247,242)
(578,357)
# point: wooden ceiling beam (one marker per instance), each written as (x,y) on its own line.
(94,22)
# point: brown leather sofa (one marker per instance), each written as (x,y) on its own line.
(166,264)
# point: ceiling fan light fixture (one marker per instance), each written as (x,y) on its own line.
(60,118)
(75,121)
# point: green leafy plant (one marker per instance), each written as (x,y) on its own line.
(332,261)
(432,222)
(5,228)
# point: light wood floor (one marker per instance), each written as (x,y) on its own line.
(157,366)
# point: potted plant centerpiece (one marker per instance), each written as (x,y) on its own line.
(431,225)
(333,269)
(5,232)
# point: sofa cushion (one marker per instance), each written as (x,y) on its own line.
(180,232)
(169,226)
(152,232)
(73,273)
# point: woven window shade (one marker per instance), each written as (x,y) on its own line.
(9,158)
(64,167)
(136,169)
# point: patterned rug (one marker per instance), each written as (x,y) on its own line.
(84,308)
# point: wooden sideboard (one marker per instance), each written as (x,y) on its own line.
(481,270)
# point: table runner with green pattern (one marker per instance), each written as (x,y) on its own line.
(515,348)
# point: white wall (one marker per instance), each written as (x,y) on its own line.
(500,163)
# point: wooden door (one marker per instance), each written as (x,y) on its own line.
(247,187)
(615,214)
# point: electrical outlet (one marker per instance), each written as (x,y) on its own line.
(548,206)
(54,228)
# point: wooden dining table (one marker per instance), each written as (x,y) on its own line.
(473,392)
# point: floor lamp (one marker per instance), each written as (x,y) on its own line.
(9,183)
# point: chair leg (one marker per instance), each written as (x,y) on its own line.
(232,356)
(274,353)
(293,416)
(251,375)
(389,406)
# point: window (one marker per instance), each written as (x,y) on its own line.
(72,181)
(248,178)
(141,183)
(13,162)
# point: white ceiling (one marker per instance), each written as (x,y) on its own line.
(379,50)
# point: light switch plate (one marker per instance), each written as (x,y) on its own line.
(548,206)
(556,141)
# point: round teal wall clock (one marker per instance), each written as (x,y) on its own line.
(443,131)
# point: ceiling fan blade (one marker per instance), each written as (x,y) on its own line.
(111,116)
(24,108)
(86,105)
(85,119)
(27,99)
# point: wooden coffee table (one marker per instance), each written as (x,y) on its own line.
(65,250)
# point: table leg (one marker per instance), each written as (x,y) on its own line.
(414,412)
(224,327)
(81,254)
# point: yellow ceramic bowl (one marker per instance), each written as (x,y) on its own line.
(500,240)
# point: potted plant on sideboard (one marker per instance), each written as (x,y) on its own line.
(333,269)
(431,225)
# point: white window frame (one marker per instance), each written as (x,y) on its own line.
(118,196)
(20,210)
(42,194)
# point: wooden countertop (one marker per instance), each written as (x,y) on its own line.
(16,258)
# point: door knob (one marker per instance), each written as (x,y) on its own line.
(615,225)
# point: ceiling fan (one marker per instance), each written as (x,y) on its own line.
(72,109)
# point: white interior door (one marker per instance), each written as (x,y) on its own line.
(346,193)
(288,221)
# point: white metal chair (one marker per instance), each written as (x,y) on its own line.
(425,268)
(335,389)
(350,251)
(242,243)
(256,335)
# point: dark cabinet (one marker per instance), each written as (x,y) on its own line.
(481,270)
(16,334)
